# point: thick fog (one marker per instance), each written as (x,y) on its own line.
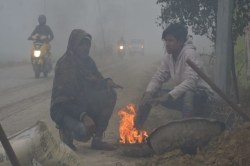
(105,20)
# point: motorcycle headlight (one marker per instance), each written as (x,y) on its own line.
(37,53)
(121,47)
(142,46)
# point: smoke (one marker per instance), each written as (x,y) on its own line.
(106,21)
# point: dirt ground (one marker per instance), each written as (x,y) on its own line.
(24,100)
(230,149)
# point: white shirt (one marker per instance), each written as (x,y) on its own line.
(184,77)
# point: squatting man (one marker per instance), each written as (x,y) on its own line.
(190,93)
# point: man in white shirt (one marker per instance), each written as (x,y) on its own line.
(189,92)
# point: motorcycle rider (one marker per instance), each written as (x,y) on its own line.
(82,99)
(43,33)
(43,29)
(121,41)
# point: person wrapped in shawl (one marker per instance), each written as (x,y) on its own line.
(82,99)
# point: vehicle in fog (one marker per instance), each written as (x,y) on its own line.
(40,55)
(121,47)
(136,47)
(121,50)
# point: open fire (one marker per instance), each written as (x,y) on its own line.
(128,133)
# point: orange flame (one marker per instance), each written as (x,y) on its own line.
(129,134)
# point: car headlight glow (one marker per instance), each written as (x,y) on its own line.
(37,53)
(121,47)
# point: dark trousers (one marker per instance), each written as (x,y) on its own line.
(191,103)
(99,106)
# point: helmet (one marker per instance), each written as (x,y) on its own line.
(42,19)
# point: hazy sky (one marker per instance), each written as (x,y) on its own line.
(132,19)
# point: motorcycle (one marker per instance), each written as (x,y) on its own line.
(121,50)
(40,55)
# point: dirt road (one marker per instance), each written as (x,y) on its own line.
(24,100)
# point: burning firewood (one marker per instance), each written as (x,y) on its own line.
(132,141)
(128,133)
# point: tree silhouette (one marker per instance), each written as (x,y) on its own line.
(201,15)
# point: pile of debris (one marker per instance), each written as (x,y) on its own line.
(230,148)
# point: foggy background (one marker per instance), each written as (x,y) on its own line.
(105,20)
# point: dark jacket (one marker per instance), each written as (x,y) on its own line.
(43,30)
(75,77)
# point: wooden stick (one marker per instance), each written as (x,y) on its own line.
(217,90)
(7,147)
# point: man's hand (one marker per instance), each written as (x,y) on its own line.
(143,110)
(89,124)
(146,98)
(111,85)
(160,99)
